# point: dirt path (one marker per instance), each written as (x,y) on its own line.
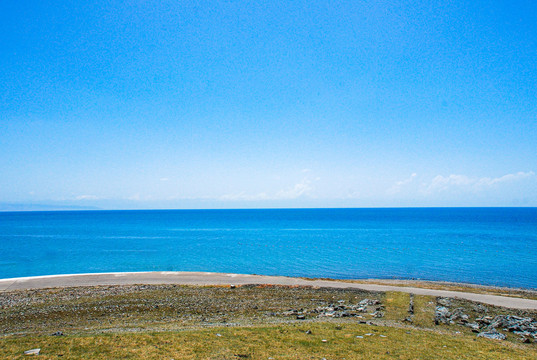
(199,278)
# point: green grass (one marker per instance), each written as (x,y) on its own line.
(255,322)
(424,308)
(396,305)
(278,342)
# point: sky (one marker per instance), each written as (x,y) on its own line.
(240,104)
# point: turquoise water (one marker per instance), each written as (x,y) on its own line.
(494,246)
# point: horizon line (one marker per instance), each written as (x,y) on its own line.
(272,208)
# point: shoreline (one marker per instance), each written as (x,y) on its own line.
(227,279)
(377,281)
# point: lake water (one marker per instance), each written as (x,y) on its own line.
(493,246)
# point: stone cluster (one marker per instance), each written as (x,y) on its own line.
(341,310)
(487,326)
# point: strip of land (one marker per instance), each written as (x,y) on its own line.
(203,278)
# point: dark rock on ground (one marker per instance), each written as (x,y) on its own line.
(492,334)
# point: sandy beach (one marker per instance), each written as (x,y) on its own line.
(207,278)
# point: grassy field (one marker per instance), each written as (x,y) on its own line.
(289,341)
(251,322)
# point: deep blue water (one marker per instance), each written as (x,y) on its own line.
(494,246)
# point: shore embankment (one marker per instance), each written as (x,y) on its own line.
(207,278)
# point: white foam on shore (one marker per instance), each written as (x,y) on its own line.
(118,274)
(28,278)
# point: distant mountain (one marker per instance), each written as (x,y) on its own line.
(42,207)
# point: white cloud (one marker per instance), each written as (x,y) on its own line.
(303,188)
(462,182)
(87,197)
(396,188)
(242,196)
(506,178)
(134,197)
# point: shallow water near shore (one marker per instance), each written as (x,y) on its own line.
(491,246)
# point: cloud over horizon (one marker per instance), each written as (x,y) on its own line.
(471,184)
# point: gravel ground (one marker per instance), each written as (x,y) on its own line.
(172,307)
(143,308)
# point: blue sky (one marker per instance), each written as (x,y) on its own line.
(191,104)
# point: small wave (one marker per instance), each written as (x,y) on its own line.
(135,237)
(39,236)
(129,250)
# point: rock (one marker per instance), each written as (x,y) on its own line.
(513,323)
(366,302)
(441,315)
(301,317)
(378,314)
(411,305)
(232,286)
(444,302)
(492,334)
(480,308)
(458,314)
(473,326)
(444,316)
(484,320)
(32,352)
(308,332)
(57,333)
(498,321)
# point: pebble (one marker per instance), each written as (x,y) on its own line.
(360,337)
(492,334)
(32,352)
